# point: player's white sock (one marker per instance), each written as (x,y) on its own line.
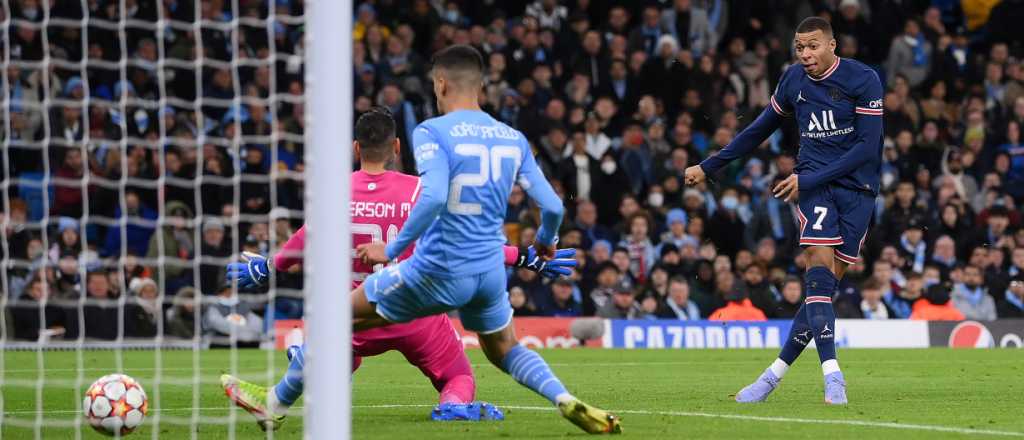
(779,368)
(830,366)
(275,406)
(564,397)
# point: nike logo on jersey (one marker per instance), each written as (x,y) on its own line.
(800,97)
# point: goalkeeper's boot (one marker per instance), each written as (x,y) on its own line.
(252,398)
(475,411)
(835,389)
(589,418)
(760,389)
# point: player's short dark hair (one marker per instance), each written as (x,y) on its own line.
(462,63)
(375,132)
(811,24)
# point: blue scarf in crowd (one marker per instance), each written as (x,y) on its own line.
(900,307)
(1013,299)
(973,296)
(918,251)
(920,56)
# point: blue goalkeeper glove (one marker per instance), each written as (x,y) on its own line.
(253,272)
(562,264)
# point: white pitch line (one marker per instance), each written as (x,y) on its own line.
(865,423)
(296,411)
(553,364)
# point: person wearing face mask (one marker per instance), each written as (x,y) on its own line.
(655,198)
(611,183)
(726,228)
(971,297)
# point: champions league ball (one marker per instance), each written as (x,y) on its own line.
(115,405)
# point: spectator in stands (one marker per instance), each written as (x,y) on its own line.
(638,247)
(901,304)
(560,302)
(622,304)
(944,254)
(68,195)
(870,306)
(174,243)
(677,304)
(737,308)
(912,246)
(971,297)
(994,233)
(100,312)
(34,316)
(690,27)
(521,305)
(792,298)
(758,288)
(608,277)
(137,231)
(229,318)
(146,296)
(910,54)
(657,282)
(726,229)
(936,305)
(213,249)
(181,317)
(1012,303)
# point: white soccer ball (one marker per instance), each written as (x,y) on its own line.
(115,405)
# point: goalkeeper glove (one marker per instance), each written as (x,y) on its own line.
(253,272)
(562,264)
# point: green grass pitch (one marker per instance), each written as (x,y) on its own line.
(906,394)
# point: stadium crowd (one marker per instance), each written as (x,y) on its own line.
(128,187)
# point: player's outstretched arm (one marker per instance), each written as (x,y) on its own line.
(432,163)
(551,210)
(254,269)
(766,123)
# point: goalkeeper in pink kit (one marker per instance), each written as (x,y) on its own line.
(381,202)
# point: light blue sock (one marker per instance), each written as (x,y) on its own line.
(529,369)
(290,387)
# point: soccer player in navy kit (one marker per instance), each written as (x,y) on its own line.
(837,104)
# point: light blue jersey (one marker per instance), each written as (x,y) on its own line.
(468,163)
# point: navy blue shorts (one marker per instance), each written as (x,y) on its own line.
(838,217)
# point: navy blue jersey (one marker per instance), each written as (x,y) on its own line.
(826,110)
(840,120)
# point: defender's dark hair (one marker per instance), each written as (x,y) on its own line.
(375,132)
(462,63)
(811,24)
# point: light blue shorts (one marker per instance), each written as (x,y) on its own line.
(401,294)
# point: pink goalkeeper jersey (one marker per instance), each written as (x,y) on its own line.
(380,205)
